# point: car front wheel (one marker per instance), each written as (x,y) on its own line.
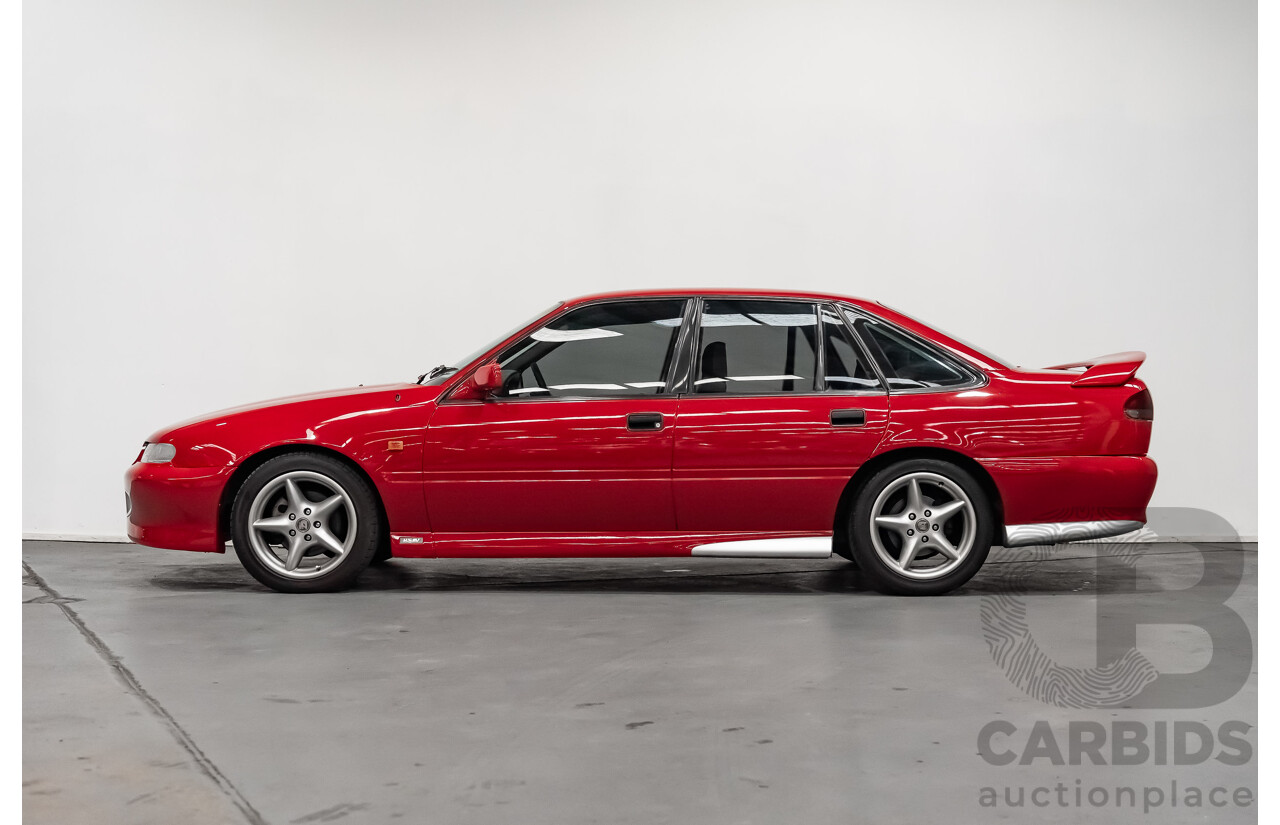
(305,523)
(921,527)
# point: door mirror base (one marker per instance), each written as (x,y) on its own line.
(484,382)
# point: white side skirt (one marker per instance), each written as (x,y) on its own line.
(817,547)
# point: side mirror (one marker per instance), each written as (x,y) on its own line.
(488,378)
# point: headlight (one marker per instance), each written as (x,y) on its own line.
(158,453)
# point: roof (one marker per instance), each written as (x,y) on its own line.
(741,292)
(874,307)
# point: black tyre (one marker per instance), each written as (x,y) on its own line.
(921,527)
(842,547)
(305,523)
(383,554)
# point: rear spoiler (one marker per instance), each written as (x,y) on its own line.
(1106,370)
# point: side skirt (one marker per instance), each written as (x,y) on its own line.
(781,545)
(806,547)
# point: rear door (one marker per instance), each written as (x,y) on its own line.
(783,407)
(579,439)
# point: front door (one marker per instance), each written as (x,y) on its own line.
(783,409)
(579,438)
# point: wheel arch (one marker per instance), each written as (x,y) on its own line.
(885,459)
(256,460)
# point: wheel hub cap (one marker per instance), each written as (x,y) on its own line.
(315,531)
(917,546)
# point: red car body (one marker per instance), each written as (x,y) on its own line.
(459,475)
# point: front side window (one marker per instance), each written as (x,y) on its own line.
(622,348)
(752,347)
(908,364)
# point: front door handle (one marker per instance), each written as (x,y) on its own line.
(650,422)
(848,418)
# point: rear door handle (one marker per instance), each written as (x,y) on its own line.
(848,418)
(644,421)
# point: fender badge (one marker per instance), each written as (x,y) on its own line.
(395,445)
(410,539)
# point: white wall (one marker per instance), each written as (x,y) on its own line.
(227,201)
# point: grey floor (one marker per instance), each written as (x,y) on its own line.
(164,687)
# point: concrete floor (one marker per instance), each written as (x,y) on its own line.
(163,687)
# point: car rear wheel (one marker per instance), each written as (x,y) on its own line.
(921,527)
(305,523)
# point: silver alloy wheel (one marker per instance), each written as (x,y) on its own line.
(923,525)
(302,525)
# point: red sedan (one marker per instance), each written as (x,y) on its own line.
(708,423)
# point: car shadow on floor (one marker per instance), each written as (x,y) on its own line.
(1061,570)
(587,577)
(1064,570)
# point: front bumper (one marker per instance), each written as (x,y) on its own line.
(175,508)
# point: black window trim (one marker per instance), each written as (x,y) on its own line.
(819,388)
(688,353)
(978,377)
(862,349)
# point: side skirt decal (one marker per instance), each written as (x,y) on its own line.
(809,547)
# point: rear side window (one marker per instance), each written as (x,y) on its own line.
(909,364)
(753,347)
(846,368)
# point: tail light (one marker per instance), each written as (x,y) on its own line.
(1140,407)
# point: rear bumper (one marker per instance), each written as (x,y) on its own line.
(1055,492)
(175,508)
